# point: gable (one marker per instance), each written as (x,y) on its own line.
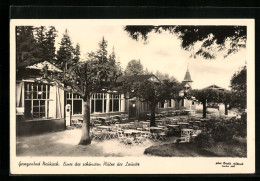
(41,65)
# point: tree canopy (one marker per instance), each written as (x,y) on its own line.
(65,53)
(208,39)
(98,73)
(35,43)
(134,67)
(154,92)
(238,84)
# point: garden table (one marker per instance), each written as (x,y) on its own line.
(105,127)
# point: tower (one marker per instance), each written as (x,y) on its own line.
(187,81)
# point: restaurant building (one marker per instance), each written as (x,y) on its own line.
(40,104)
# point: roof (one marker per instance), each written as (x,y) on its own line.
(41,65)
(187,77)
(214,87)
(137,78)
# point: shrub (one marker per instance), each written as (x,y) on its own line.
(204,140)
(223,133)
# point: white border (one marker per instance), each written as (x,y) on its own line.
(148,165)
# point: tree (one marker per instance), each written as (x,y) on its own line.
(76,54)
(134,67)
(97,74)
(204,96)
(26,45)
(65,52)
(154,92)
(225,97)
(238,86)
(50,51)
(209,39)
(164,76)
(46,42)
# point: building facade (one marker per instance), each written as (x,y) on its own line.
(39,100)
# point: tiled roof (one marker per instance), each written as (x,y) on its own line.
(214,87)
(41,65)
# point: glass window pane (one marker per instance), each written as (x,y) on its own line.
(44,88)
(28,95)
(98,105)
(35,95)
(35,103)
(110,106)
(39,87)
(77,107)
(116,105)
(36,115)
(42,103)
(105,106)
(42,109)
(42,115)
(92,106)
(44,95)
(39,95)
(28,108)
(35,109)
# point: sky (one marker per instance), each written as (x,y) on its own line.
(162,52)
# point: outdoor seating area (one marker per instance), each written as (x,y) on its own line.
(167,124)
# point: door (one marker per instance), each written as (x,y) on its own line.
(132,109)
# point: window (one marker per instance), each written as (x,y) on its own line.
(37,100)
(161,105)
(75,101)
(169,103)
(98,103)
(114,102)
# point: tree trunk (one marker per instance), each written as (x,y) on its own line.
(85,136)
(152,121)
(204,109)
(226,109)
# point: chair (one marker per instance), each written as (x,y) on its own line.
(97,134)
(129,140)
(185,139)
(113,133)
(121,136)
(140,138)
(162,136)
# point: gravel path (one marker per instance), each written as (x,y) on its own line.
(65,143)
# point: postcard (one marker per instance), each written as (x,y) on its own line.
(132,96)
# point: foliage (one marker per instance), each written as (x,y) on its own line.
(238,86)
(203,95)
(210,39)
(46,42)
(134,67)
(76,54)
(97,73)
(65,52)
(164,76)
(26,45)
(154,92)
(204,140)
(222,133)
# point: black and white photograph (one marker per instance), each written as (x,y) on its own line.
(120,96)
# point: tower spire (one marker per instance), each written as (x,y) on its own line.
(187,77)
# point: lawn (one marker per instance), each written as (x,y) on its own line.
(233,148)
